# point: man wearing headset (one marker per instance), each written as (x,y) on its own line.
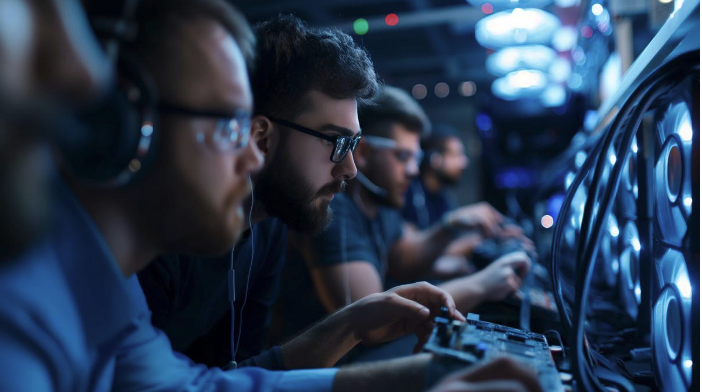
(368,240)
(45,63)
(444,162)
(72,314)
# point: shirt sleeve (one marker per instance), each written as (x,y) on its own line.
(345,239)
(28,365)
(145,361)
(270,359)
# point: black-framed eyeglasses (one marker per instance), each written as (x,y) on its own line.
(342,144)
(233,130)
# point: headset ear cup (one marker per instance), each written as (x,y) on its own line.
(117,132)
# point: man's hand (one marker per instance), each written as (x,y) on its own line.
(499,375)
(450,266)
(503,276)
(403,310)
(513,231)
(464,245)
(481,216)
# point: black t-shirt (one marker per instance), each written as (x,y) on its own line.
(351,236)
(188,298)
(424,208)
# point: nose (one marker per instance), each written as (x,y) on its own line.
(249,160)
(68,58)
(412,168)
(346,169)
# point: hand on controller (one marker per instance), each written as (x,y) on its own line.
(503,276)
(407,309)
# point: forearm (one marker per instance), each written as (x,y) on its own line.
(414,254)
(403,374)
(322,345)
(467,292)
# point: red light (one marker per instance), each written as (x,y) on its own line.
(391,19)
(487,8)
(586,31)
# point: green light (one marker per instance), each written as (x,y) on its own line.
(360,26)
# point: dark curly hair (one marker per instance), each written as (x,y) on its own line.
(294,59)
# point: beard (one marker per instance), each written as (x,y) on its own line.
(448,179)
(283,192)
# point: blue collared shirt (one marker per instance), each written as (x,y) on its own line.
(70,321)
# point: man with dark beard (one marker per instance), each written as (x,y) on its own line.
(368,241)
(218,310)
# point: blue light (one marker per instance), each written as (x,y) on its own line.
(560,70)
(597,9)
(565,38)
(514,58)
(554,205)
(530,26)
(483,122)
(683,283)
(520,84)
(515,177)
(685,128)
(553,96)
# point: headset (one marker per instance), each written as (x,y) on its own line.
(371,187)
(113,139)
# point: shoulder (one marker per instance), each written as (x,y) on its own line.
(38,317)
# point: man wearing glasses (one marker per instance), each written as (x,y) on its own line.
(307,129)
(368,241)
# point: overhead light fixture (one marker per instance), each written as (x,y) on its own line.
(553,96)
(499,5)
(513,58)
(520,84)
(520,26)
(560,70)
(565,38)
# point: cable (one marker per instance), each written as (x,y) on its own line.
(563,214)
(584,372)
(234,348)
(248,277)
(586,265)
(654,86)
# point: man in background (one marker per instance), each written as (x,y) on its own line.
(444,161)
(368,240)
(49,64)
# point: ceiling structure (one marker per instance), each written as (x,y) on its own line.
(433,42)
